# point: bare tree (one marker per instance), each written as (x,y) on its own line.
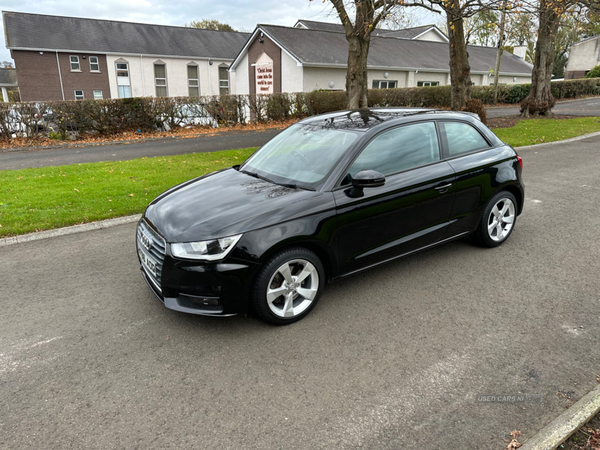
(367,16)
(499,52)
(456,11)
(540,100)
(550,13)
(481,29)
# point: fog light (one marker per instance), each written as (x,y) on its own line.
(197,302)
(207,301)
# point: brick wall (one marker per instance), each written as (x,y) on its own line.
(39,80)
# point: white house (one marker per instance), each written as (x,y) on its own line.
(71,58)
(313,55)
(583,57)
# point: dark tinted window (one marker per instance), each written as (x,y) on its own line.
(399,149)
(463,138)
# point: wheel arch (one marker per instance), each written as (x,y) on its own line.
(518,193)
(318,249)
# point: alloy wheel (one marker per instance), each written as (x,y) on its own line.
(292,288)
(501,219)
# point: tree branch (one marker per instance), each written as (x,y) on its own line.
(341,10)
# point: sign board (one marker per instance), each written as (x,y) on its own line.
(263,74)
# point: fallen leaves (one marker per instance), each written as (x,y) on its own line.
(181,133)
(514,443)
(594,440)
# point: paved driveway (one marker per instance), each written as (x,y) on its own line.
(392,358)
(583,107)
(123,151)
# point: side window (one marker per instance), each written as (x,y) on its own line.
(399,149)
(463,138)
(74,63)
(223,80)
(160,79)
(94,64)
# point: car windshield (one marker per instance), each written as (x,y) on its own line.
(302,155)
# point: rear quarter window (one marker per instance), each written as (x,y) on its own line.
(463,138)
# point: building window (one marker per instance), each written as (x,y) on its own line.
(78,94)
(384,84)
(160,80)
(428,83)
(123,80)
(74,63)
(98,94)
(94,64)
(223,80)
(193,82)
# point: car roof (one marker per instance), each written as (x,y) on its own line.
(368,118)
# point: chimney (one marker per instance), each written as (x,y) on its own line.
(520,51)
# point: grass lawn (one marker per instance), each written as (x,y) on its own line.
(53,197)
(538,131)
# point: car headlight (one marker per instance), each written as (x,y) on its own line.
(212,250)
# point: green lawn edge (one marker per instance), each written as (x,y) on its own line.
(58,196)
(541,131)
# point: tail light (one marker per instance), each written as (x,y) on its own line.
(520,161)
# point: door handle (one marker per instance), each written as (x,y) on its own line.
(444,188)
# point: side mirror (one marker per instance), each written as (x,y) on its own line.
(365,179)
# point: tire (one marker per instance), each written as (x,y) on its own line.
(280,276)
(498,220)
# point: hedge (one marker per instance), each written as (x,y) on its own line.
(64,119)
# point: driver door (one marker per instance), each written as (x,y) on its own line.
(412,210)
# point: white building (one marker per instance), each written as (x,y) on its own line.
(166,76)
(583,57)
(71,58)
(313,55)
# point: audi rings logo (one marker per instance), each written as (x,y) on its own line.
(146,242)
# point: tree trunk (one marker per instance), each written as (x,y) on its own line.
(460,70)
(499,54)
(356,77)
(540,100)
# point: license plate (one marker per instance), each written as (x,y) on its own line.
(148,263)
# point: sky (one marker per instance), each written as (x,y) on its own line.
(242,15)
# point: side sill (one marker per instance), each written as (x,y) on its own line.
(435,244)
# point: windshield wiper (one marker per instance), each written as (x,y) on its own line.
(255,175)
(288,185)
(295,186)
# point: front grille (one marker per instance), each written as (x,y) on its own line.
(157,251)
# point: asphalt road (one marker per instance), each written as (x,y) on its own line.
(391,358)
(123,151)
(583,107)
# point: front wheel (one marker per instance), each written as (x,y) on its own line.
(288,286)
(498,220)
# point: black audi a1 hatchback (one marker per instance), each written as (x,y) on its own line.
(327,197)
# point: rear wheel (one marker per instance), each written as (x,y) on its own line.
(288,287)
(498,220)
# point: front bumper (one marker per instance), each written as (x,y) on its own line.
(214,289)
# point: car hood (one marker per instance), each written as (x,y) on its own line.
(227,203)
